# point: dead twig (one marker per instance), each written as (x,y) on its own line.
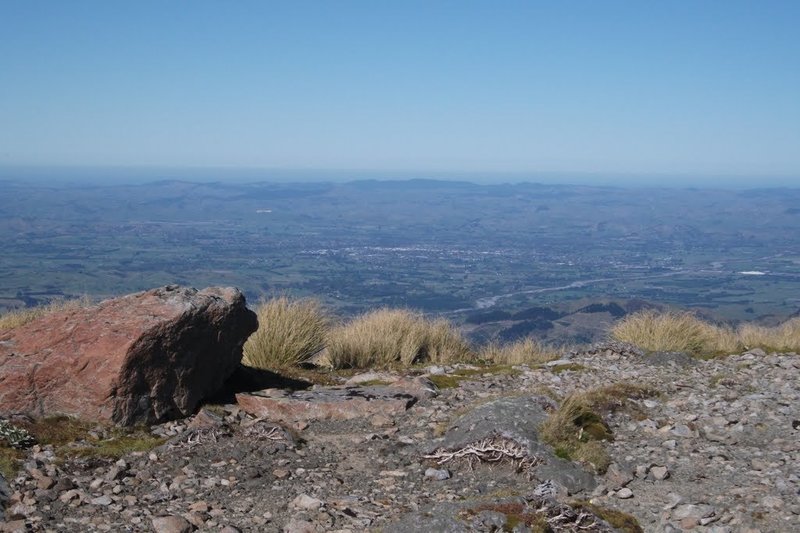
(490,450)
(196,437)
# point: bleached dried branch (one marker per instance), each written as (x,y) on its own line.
(260,431)
(198,436)
(490,450)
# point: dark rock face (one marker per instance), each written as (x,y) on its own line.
(142,358)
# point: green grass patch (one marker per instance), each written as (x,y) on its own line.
(621,521)
(478,371)
(450,381)
(563,453)
(576,429)
(115,446)
(74,438)
(571,367)
(446,381)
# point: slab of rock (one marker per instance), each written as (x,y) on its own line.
(438,474)
(618,476)
(142,358)
(307,503)
(498,514)
(330,403)
(659,473)
(171,524)
(515,420)
(421,387)
(5,495)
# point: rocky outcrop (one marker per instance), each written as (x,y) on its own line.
(506,430)
(335,403)
(141,358)
(715,452)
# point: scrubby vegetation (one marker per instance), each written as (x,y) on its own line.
(395,337)
(684,332)
(289,333)
(13,440)
(71,438)
(576,428)
(20,317)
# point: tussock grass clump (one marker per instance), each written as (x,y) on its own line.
(783,338)
(665,332)
(523,351)
(289,333)
(576,428)
(683,332)
(20,317)
(395,337)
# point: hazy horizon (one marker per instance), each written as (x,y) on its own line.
(696,91)
(145,174)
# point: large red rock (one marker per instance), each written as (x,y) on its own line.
(142,358)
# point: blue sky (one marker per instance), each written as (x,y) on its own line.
(690,88)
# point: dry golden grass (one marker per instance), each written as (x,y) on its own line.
(664,331)
(783,338)
(724,340)
(684,332)
(289,333)
(395,337)
(524,351)
(20,317)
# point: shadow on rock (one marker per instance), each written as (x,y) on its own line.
(249,379)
